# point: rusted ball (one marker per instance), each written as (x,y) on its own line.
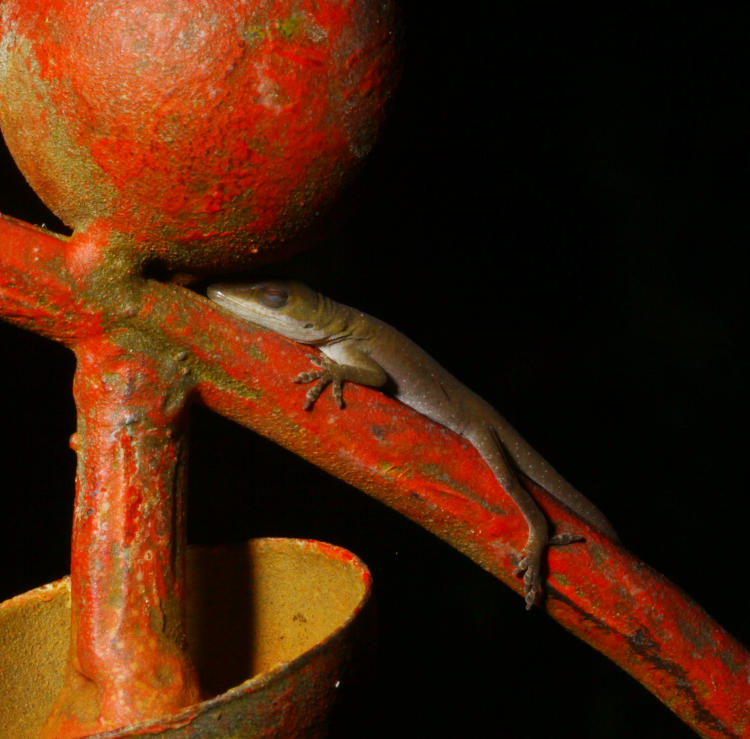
(210,132)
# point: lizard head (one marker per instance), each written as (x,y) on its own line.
(288,308)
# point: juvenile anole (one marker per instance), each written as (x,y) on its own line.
(359,348)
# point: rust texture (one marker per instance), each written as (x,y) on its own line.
(597,589)
(293,615)
(170,137)
(127,569)
(208,133)
(175,138)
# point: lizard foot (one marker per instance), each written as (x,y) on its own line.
(530,565)
(325,376)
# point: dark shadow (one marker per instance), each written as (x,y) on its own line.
(220,616)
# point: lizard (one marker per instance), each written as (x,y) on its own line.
(356,347)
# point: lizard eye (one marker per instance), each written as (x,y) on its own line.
(274,297)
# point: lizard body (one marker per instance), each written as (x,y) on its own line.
(359,348)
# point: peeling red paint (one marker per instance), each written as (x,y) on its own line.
(206,120)
(596,589)
(202,136)
(127,569)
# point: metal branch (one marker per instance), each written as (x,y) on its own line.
(596,589)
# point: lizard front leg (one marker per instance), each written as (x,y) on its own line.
(364,372)
(328,374)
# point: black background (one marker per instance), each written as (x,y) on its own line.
(557,211)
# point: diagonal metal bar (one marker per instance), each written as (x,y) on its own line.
(597,590)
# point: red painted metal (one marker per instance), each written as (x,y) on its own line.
(195,137)
(596,589)
(296,615)
(206,133)
(207,136)
(127,568)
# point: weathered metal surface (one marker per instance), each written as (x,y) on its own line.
(173,136)
(206,133)
(596,589)
(128,654)
(210,137)
(283,618)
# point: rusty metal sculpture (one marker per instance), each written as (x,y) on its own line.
(179,137)
(210,137)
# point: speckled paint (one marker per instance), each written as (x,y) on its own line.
(596,589)
(199,136)
(207,136)
(207,132)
